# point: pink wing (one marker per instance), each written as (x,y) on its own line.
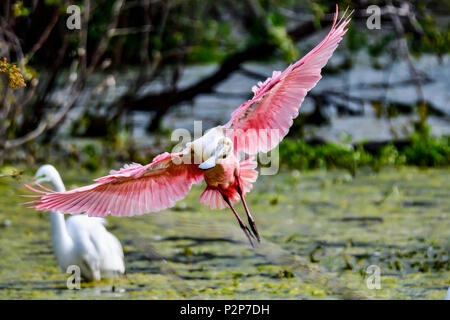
(133,190)
(262,122)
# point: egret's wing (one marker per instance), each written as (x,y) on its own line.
(262,122)
(110,251)
(133,190)
(100,249)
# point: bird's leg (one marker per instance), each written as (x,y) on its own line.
(251,221)
(241,223)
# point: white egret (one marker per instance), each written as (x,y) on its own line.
(82,240)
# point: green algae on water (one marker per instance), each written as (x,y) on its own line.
(320,231)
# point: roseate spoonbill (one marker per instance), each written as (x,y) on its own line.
(81,240)
(258,125)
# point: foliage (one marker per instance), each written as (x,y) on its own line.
(301,155)
(422,150)
(436,39)
(427,151)
(15,78)
(278,35)
(19,9)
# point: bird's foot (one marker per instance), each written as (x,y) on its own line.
(247,233)
(254,230)
(250,219)
(246,230)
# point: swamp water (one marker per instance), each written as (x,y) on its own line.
(320,231)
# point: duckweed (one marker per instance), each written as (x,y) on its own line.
(318,238)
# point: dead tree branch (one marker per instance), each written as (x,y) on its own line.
(162,102)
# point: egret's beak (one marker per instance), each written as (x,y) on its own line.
(31,182)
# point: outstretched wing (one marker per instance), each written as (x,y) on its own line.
(262,122)
(133,190)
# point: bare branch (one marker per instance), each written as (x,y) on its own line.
(403,47)
(105,40)
(126,31)
(43,126)
(45,34)
(161,102)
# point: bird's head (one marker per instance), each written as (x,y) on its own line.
(210,147)
(224,148)
(48,173)
(221,150)
(45,173)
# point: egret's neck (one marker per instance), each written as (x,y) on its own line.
(61,241)
(57,183)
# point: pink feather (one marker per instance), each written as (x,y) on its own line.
(135,189)
(262,122)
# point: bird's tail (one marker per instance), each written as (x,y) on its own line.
(211,197)
(247,173)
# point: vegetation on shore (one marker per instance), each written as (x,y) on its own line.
(421,150)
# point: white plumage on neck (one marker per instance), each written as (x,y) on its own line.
(61,241)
